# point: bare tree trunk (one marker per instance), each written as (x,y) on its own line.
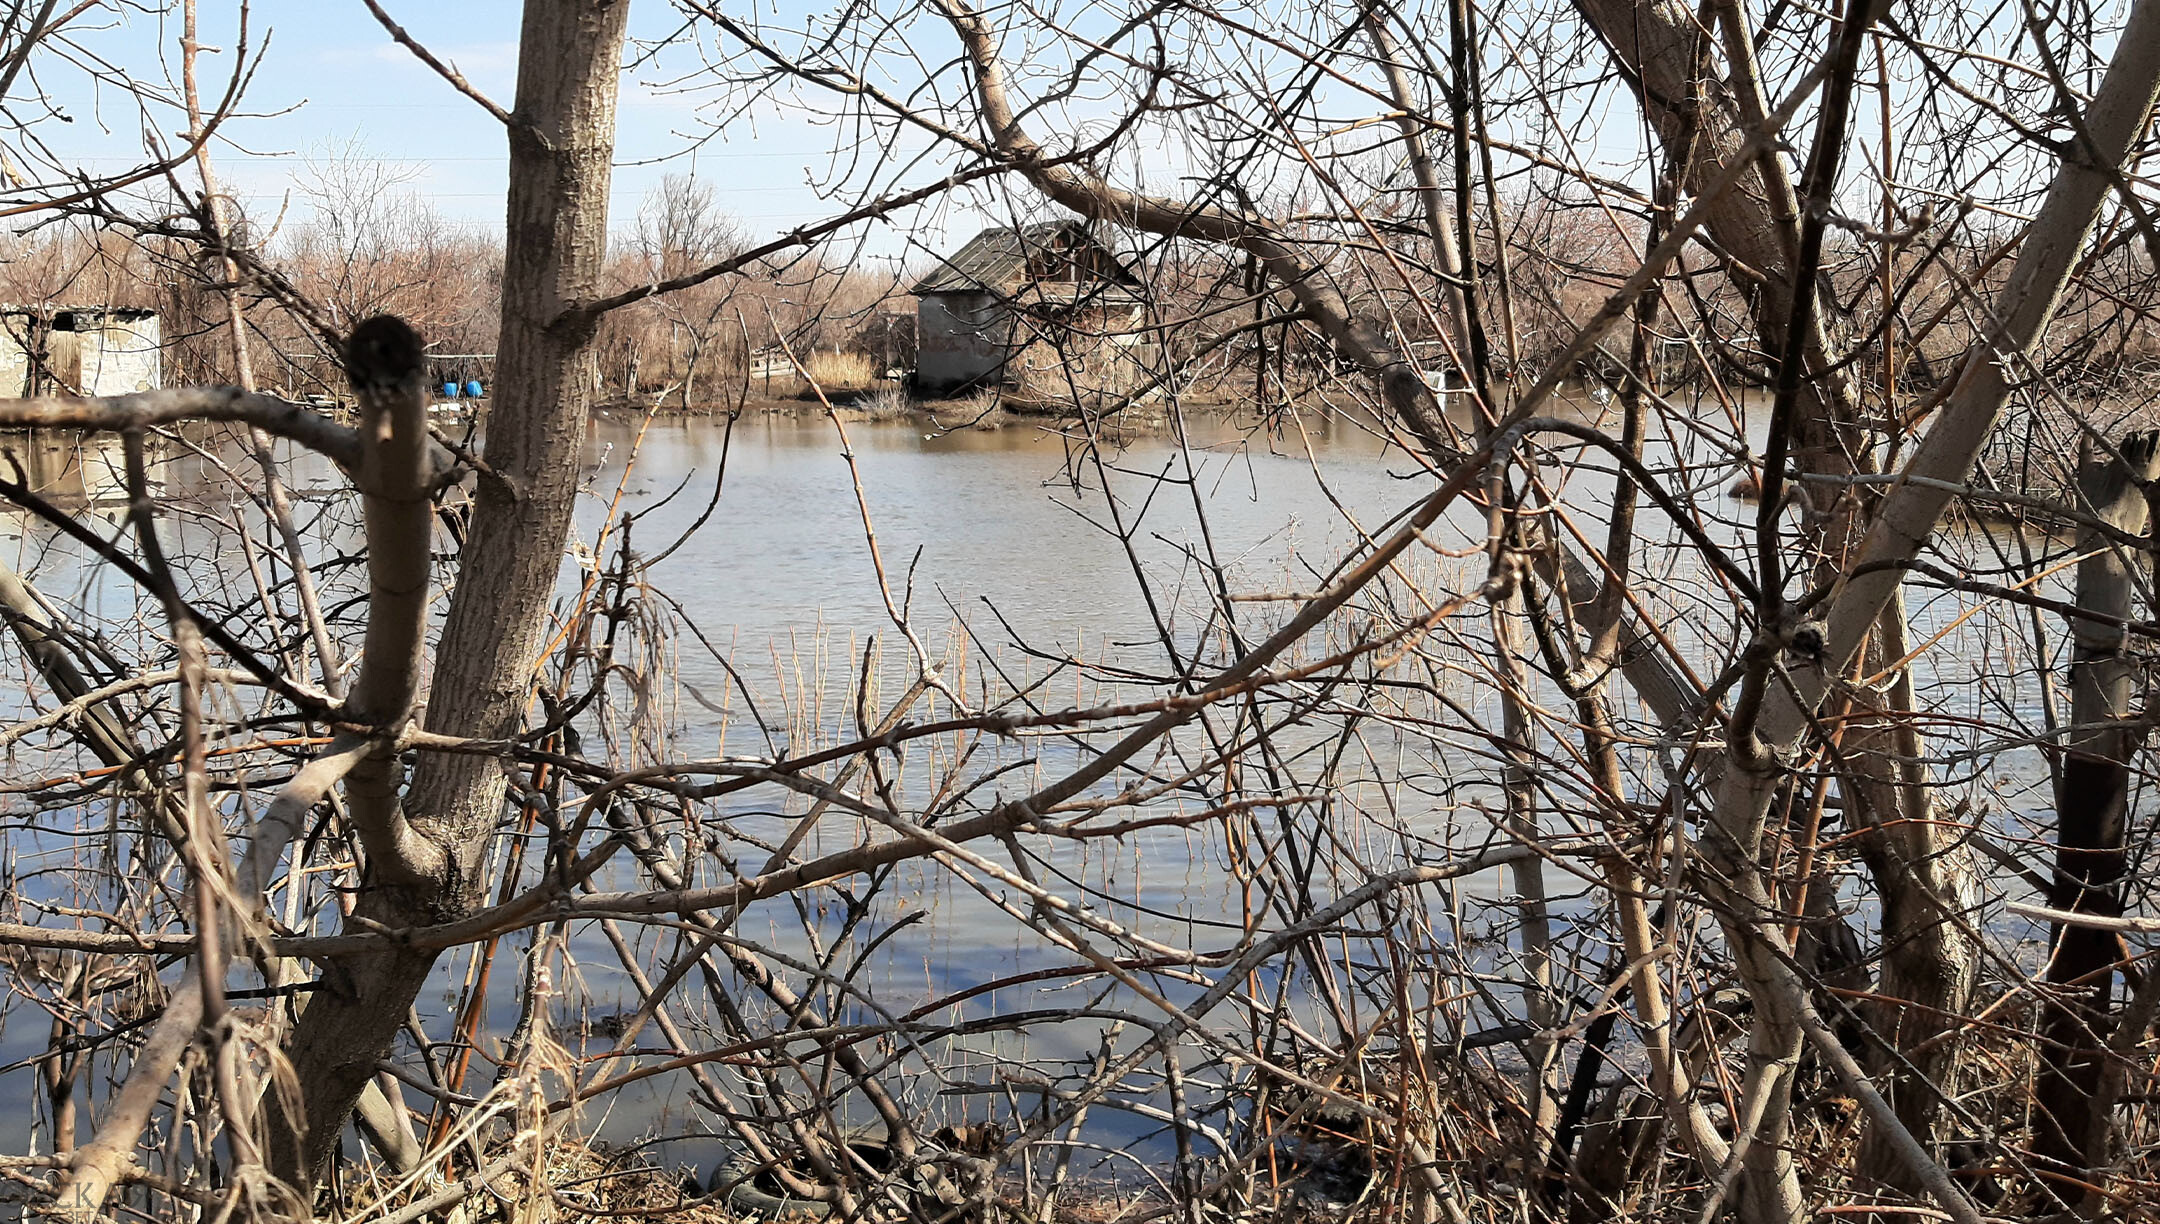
(2092,807)
(395,478)
(1540,1005)
(1908,516)
(561,146)
(1666,53)
(1919,867)
(1408,106)
(1925,880)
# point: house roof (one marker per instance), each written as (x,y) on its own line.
(52,309)
(1003,258)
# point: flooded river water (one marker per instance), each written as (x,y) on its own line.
(1012,568)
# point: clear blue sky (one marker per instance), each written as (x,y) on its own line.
(332,81)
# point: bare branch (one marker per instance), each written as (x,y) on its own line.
(445,71)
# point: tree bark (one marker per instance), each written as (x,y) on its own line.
(1910,511)
(1663,49)
(2091,809)
(1919,867)
(561,148)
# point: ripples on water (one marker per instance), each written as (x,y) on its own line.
(1007,551)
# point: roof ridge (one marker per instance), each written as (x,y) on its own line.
(998,257)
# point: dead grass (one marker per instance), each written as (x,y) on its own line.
(984,410)
(580,1185)
(842,371)
(886,402)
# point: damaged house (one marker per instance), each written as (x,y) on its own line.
(1042,312)
(90,350)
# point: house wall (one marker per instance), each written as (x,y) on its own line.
(63,359)
(961,339)
(966,340)
(111,355)
(120,355)
(1104,353)
(14,360)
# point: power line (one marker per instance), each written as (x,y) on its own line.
(261,158)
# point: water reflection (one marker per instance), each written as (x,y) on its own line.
(1019,559)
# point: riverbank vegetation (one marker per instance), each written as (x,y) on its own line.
(1561,840)
(364,241)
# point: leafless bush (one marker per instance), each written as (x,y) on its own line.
(1578,845)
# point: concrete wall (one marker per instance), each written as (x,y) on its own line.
(119,355)
(106,354)
(1103,354)
(966,340)
(14,361)
(961,339)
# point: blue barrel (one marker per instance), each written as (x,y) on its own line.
(473,389)
(449,390)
